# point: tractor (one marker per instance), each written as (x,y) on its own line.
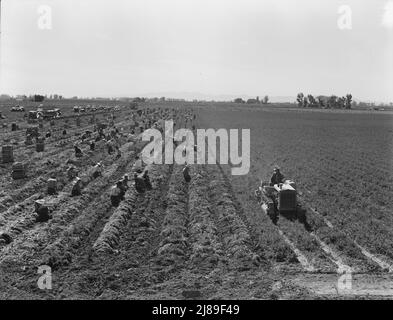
(279,200)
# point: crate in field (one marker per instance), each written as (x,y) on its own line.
(42,210)
(52,186)
(19,171)
(7,153)
(40,146)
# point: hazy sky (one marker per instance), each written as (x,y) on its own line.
(253,47)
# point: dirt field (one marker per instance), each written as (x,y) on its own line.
(207,239)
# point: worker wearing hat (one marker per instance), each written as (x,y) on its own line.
(277,177)
(125,181)
(146,179)
(117,194)
(76,188)
(139,183)
(186,173)
(97,170)
(78,151)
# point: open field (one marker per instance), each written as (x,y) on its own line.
(206,239)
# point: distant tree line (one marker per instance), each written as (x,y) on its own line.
(265,100)
(38,98)
(332,102)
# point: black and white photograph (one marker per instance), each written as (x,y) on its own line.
(196,151)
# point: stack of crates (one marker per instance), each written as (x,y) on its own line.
(7,153)
(18,171)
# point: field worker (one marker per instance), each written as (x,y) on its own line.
(277,177)
(5,238)
(125,181)
(109,146)
(78,151)
(146,179)
(258,192)
(139,183)
(138,163)
(71,172)
(118,155)
(43,214)
(116,194)
(77,187)
(122,188)
(186,173)
(64,132)
(97,170)
(92,146)
(101,133)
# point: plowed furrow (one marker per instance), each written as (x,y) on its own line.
(237,241)
(39,235)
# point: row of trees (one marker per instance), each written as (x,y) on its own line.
(332,102)
(37,98)
(265,100)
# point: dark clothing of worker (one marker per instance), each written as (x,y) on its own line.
(139,184)
(97,171)
(43,214)
(72,172)
(92,146)
(78,152)
(115,201)
(6,238)
(76,188)
(125,183)
(277,178)
(116,195)
(147,182)
(122,188)
(110,148)
(186,174)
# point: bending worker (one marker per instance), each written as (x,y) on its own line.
(277,177)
